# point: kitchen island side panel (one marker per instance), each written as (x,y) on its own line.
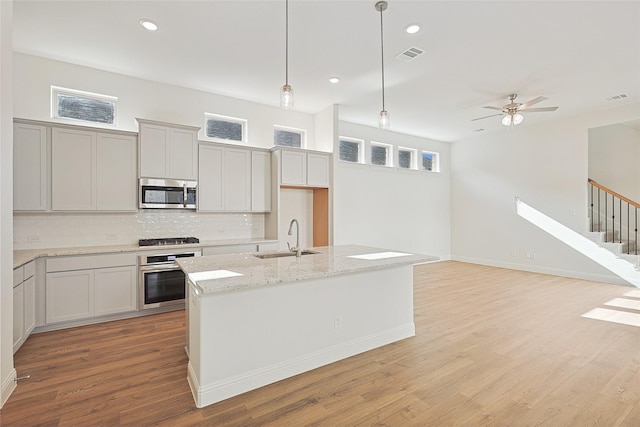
(251,338)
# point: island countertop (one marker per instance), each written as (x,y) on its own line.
(235,272)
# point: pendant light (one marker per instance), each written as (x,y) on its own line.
(383,119)
(286,93)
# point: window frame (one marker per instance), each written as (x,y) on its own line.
(57,90)
(244,123)
(435,165)
(301,132)
(413,164)
(361,150)
(389,149)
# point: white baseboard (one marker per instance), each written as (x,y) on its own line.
(207,394)
(545,270)
(8,385)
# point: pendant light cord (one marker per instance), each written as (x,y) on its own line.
(286,43)
(382,54)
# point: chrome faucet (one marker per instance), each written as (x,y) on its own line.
(296,248)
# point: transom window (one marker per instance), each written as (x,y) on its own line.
(351,150)
(225,127)
(289,137)
(407,158)
(430,161)
(79,105)
(381,154)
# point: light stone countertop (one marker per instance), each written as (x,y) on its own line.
(255,272)
(21,257)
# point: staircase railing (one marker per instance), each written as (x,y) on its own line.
(605,204)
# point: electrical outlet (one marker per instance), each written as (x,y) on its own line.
(514,253)
(337,321)
(33,239)
(531,255)
(111,236)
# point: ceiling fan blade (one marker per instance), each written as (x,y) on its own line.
(537,110)
(493,108)
(486,117)
(532,102)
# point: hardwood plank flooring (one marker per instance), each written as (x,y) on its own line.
(493,347)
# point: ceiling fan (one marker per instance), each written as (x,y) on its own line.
(512,111)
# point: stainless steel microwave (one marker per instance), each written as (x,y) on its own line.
(167,194)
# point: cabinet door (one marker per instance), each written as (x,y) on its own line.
(73,170)
(115,290)
(260,181)
(69,295)
(154,146)
(29,167)
(317,170)
(29,311)
(183,155)
(116,183)
(210,171)
(294,168)
(237,179)
(18,316)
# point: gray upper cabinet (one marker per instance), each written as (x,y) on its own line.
(224,183)
(92,170)
(168,151)
(260,181)
(304,168)
(30,172)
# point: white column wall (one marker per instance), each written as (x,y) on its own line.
(546,166)
(7,371)
(389,207)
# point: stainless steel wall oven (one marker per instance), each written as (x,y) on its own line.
(162,282)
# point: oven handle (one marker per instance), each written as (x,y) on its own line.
(159,267)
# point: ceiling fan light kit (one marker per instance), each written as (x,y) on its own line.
(512,112)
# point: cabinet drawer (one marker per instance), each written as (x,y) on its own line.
(89,262)
(18,276)
(29,270)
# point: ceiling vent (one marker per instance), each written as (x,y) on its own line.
(410,54)
(617,97)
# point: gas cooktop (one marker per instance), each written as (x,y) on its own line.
(168,241)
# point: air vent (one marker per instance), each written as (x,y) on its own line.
(410,54)
(618,97)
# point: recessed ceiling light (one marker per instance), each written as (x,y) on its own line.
(334,80)
(149,25)
(412,29)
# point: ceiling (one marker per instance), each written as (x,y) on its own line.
(576,53)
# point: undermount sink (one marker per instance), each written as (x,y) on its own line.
(283,254)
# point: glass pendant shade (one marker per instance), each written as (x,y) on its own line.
(384,120)
(286,96)
(517,119)
(506,120)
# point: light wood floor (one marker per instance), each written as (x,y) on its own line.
(493,347)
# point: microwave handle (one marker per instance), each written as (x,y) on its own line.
(184,195)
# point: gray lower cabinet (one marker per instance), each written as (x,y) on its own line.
(24,314)
(89,286)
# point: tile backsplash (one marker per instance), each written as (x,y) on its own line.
(51,230)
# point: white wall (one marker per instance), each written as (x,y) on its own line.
(546,166)
(614,158)
(7,372)
(146,99)
(389,207)
(296,203)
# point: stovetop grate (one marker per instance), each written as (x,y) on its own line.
(168,241)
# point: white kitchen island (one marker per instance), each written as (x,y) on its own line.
(252,322)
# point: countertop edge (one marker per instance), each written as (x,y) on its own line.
(24,256)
